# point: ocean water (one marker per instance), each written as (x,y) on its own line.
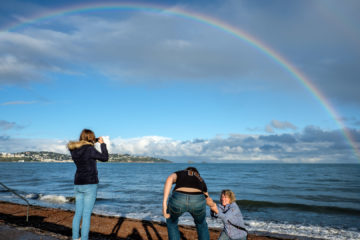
(307,200)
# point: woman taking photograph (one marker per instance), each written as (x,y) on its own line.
(189,196)
(86,179)
(230,214)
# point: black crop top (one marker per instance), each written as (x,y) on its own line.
(189,179)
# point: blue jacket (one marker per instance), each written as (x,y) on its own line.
(231,215)
(85,155)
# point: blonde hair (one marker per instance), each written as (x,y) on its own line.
(230,194)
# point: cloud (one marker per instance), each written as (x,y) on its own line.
(141,48)
(351,121)
(5,125)
(13,145)
(283,125)
(315,134)
(144,47)
(17,103)
(323,46)
(4,138)
(312,145)
(309,146)
(269,129)
(279,125)
(27,58)
(284,138)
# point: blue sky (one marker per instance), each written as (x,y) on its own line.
(163,85)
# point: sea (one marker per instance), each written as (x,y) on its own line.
(311,201)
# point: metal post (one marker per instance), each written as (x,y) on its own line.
(28,204)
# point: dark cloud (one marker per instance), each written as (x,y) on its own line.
(271,148)
(4,138)
(197,140)
(249,140)
(355,134)
(315,134)
(351,121)
(323,45)
(5,125)
(283,138)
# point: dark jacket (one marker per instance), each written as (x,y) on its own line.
(85,155)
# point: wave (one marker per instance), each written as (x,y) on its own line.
(301,231)
(255,205)
(51,198)
(266,228)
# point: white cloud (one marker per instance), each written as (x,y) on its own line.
(13,145)
(310,146)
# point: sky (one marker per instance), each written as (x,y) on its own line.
(204,81)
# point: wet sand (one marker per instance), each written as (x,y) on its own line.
(50,224)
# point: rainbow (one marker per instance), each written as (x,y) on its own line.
(216,23)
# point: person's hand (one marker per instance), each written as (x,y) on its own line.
(210,202)
(214,209)
(166,215)
(101,140)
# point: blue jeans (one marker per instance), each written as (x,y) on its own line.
(224,236)
(85,196)
(180,203)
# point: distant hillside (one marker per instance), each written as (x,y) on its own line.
(139,159)
(44,156)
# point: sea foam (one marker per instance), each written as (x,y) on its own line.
(53,198)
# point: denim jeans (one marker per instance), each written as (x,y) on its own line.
(180,203)
(224,236)
(85,196)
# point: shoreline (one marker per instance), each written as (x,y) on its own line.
(57,223)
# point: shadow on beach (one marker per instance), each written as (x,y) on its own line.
(39,222)
(102,227)
(58,224)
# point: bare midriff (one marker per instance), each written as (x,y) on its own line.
(186,189)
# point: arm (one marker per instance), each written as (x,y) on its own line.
(211,203)
(231,214)
(214,208)
(104,155)
(167,187)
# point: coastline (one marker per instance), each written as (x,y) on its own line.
(56,224)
